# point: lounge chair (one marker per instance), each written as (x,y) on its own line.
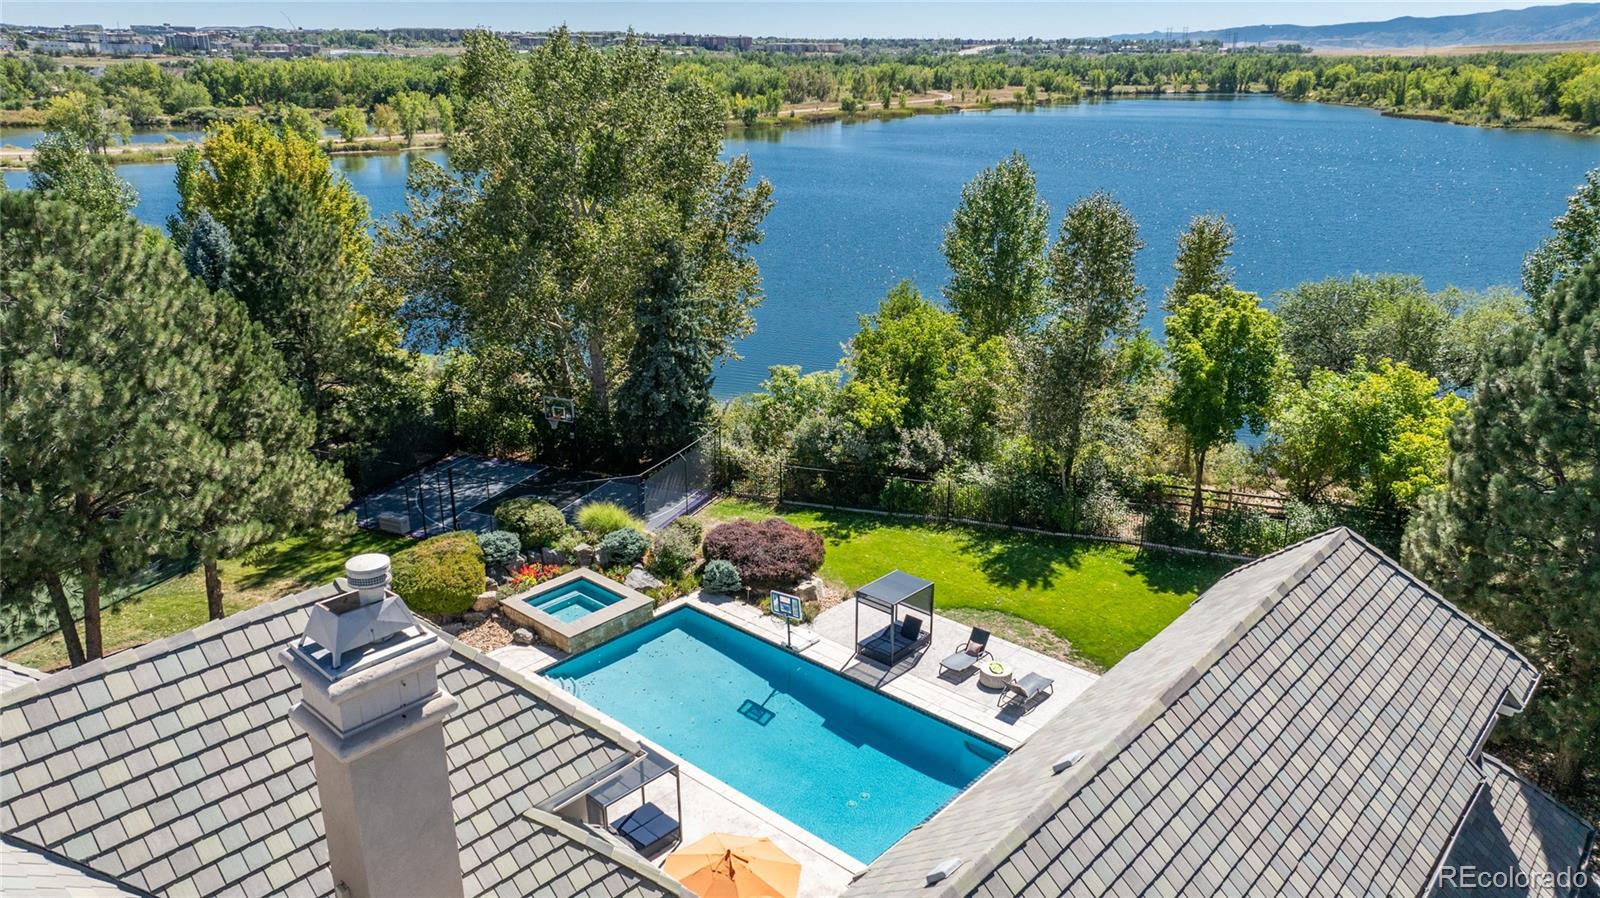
(907,640)
(1025,690)
(650,829)
(976,649)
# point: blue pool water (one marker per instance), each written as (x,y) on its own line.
(575,600)
(854,767)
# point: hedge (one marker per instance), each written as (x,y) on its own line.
(768,553)
(539,524)
(442,575)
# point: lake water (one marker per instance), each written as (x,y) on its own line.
(1313,191)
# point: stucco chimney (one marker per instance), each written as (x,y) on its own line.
(374,711)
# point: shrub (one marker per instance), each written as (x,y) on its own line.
(720,577)
(1245,531)
(767,553)
(537,523)
(623,547)
(601,518)
(442,575)
(499,546)
(690,527)
(673,552)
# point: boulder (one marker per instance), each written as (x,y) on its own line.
(550,556)
(453,628)
(640,579)
(810,589)
(485,600)
(488,583)
(522,636)
(474,618)
(585,554)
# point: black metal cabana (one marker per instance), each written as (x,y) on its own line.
(888,594)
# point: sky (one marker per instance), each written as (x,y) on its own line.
(787,18)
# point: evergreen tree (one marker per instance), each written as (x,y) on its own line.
(1515,534)
(208,251)
(995,245)
(667,395)
(1202,262)
(1576,240)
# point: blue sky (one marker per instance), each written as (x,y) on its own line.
(793,18)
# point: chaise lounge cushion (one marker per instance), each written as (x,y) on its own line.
(647,826)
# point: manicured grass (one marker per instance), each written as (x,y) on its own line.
(1105,599)
(265,573)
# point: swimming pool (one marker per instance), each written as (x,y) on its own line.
(579,599)
(857,768)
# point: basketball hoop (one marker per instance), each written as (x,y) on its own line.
(559,410)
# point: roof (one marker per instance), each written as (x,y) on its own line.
(895,587)
(1513,825)
(1311,721)
(28,872)
(14,675)
(173,768)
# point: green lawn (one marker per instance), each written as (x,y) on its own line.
(1105,599)
(178,604)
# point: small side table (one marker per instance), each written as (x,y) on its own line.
(994,674)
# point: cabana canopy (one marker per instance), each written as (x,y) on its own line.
(890,594)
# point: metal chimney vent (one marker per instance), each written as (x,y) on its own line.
(350,623)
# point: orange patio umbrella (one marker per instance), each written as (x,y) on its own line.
(728,866)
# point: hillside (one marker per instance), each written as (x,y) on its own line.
(1536,24)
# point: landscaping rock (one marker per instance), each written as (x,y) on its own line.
(486,600)
(522,636)
(585,554)
(640,579)
(488,583)
(474,618)
(550,556)
(810,589)
(453,628)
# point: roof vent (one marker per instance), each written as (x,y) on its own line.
(1067,760)
(945,870)
(355,624)
(368,575)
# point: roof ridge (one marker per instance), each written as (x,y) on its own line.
(1095,758)
(605,847)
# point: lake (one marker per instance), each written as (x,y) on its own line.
(1313,191)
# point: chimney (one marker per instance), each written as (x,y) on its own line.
(373,709)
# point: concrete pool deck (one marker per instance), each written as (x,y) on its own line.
(710,805)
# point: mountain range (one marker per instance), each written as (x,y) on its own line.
(1533,25)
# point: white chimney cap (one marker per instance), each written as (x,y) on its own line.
(945,870)
(368,575)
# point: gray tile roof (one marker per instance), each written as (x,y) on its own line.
(1513,826)
(27,872)
(14,675)
(1307,727)
(174,769)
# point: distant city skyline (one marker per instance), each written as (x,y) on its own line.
(777,18)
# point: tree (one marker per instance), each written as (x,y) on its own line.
(384,120)
(86,117)
(142,107)
(1332,323)
(299,121)
(995,245)
(1228,366)
(1576,240)
(63,168)
(350,122)
(667,396)
(1514,536)
(114,413)
(1482,320)
(411,111)
(208,252)
(1093,302)
(568,169)
(1202,262)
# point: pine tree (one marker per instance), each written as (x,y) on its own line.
(667,395)
(1515,535)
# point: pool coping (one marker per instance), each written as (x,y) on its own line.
(629,601)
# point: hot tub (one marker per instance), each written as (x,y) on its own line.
(579,610)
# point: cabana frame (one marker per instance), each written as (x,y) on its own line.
(889,594)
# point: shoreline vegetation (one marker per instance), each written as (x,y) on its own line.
(14,158)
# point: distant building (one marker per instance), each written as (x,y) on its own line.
(189,42)
(802,47)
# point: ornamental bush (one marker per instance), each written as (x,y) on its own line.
(499,546)
(720,577)
(442,575)
(624,546)
(537,523)
(690,527)
(672,553)
(768,553)
(601,518)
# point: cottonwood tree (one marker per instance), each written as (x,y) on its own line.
(667,396)
(119,372)
(995,244)
(1092,302)
(1202,261)
(63,168)
(1333,323)
(1576,241)
(1515,534)
(1228,365)
(568,169)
